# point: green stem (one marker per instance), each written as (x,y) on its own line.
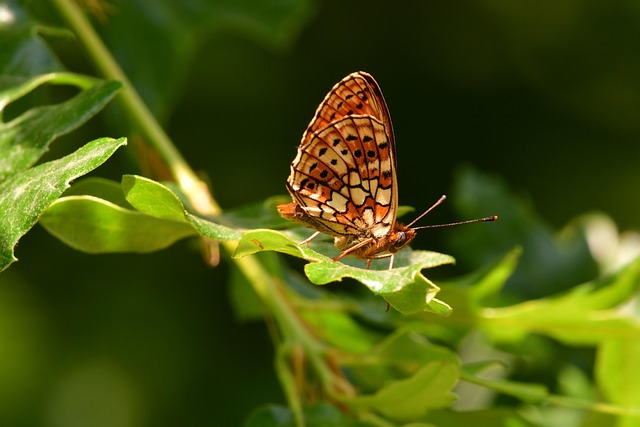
(292,327)
(136,109)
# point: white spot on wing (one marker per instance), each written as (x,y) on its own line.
(358,195)
(384,196)
(354,178)
(367,216)
(338,202)
(385,165)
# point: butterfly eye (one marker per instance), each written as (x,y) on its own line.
(402,239)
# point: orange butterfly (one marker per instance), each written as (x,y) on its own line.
(343,179)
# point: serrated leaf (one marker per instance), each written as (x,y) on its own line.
(24,139)
(25,195)
(405,288)
(152,198)
(94,225)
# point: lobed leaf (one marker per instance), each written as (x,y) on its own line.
(25,195)
(405,288)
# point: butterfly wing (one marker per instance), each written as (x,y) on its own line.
(343,178)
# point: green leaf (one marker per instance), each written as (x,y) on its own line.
(212,230)
(100,188)
(26,138)
(491,417)
(405,288)
(397,357)
(94,225)
(579,317)
(616,366)
(139,215)
(152,198)
(487,286)
(25,195)
(549,262)
(407,399)
(528,392)
(406,346)
(341,331)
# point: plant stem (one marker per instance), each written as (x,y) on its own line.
(135,108)
(268,288)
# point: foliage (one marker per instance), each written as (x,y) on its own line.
(462,351)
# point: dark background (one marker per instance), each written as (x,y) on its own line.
(545,97)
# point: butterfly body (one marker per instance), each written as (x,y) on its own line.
(343,178)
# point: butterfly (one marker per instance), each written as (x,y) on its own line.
(343,178)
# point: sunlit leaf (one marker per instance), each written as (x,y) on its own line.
(580,316)
(616,370)
(152,198)
(94,225)
(24,139)
(405,288)
(25,195)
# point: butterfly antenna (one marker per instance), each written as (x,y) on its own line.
(440,200)
(471,221)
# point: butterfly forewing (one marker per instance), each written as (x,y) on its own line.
(359,94)
(343,179)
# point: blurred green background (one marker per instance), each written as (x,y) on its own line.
(544,96)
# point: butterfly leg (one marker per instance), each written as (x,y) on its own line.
(389,255)
(310,238)
(352,249)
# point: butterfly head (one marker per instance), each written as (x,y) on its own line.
(400,237)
